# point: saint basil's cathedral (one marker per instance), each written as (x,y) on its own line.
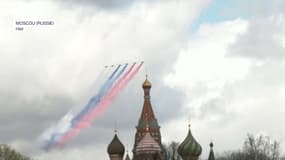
(147,144)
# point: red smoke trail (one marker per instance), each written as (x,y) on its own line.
(70,134)
(105,102)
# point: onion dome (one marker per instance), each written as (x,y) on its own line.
(147,145)
(211,155)
(189,147)
(146,83)
(116,147)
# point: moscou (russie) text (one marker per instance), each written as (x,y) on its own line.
(21,24)
(26,23)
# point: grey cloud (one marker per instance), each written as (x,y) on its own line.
(108,5)
(212,107)
(218,110)
(260,8)
(268,74)
(101,4)
(44,102)
(263,38)
(44,79)
(253,103)
(28,118)
(261,89)
(262,41)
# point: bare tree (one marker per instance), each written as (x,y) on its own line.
(261,148)
(171,151)
(255,148)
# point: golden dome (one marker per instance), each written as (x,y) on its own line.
(146,84)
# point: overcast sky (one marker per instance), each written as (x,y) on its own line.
(219,64)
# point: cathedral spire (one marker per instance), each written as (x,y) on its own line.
(147,123)
(147,111)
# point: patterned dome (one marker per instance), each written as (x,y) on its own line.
(116,147)
(189,147)
(147,145)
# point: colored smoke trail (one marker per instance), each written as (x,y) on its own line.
(76,130)
(120,81)
(71,124)
(53,133)
(95,99)
(102,106)
(93,102)
(111,96)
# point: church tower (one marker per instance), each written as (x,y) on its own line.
(147,123)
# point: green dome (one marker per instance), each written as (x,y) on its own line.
(189,147)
